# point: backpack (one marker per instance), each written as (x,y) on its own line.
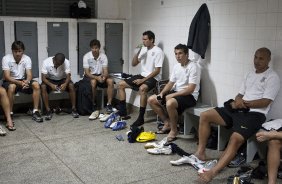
(84,104)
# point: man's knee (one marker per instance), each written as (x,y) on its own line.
(122,85)
(35,85)
(274,143)
(110,82)
(71,86)
(12,88)
(171,103)
(93,82)
(236,139)
(143,89)
(152,99)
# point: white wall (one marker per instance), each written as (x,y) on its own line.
(42,37)
(238,28)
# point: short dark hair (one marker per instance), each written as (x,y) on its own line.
(266,50)
(150,35)
(182,47)
(17,45)
(95,42)
(60,58)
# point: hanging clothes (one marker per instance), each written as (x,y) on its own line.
(198,38)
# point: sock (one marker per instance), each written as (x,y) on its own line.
(122,108)
(142,113)
(178,150)
(34,110)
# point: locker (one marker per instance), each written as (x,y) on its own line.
(113,46)
(86,33)
(58,38)
(27,33)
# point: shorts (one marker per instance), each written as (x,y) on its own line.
(244,123)
(151,82)
(185,102)
(99,84)
(56,82)
(18,87)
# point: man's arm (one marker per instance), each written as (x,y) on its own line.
(46,81)
(151,75)
(7,77)
(105,73)
(65,84)
(187,91)
(135,60)
(260,103)
(167,88)
(89,75)
(265,135)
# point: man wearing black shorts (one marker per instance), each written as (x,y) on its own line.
(179,93)
(56,76)
(244,115)
(151,58)
(17,77)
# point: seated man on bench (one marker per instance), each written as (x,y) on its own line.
(244,115)
(17,77)
(180,92)
(56,76)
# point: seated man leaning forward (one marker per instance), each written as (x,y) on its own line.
(244,115)
(151,58)
(179,93)
(56,76)
(18,78)
(95,64)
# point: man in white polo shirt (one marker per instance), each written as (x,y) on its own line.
(56,76)
(18,77)
(95,66)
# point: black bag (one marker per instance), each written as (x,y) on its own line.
(133,134)
(76,12)
(84,104)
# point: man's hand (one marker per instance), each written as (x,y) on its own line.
(265,136)
(100,79)
(138,81)
(63,86)
(25,84)
(238,104)
(54,87)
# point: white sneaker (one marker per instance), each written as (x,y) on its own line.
(2,131)
(207,166)
(94,115)
(166,150)
(105,117)
(181,161)
(156,144)
(194,160)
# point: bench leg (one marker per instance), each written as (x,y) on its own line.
(190,121)
(223,137)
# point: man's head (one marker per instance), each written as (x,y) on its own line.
(148,39)
(58,59)
(181,53)
(95,47)
(18,50)
(261,59)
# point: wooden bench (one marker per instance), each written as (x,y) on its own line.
(191,119)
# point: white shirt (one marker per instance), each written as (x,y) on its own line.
(150,59)
(183,75)
(95,65)
(53,73)
(17,71)
(260,85)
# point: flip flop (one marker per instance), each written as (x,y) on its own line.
(10,128)
(163,131)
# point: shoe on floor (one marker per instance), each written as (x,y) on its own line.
(166,150)
(109,109)
(48,115)
(74,113)
(159,144)
(119,126)
(105,117)
(36,116)
(192,159)
(2,131)
(181,161)
(207,166)
(237,161)
(94,115)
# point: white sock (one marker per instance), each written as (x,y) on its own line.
(34,110)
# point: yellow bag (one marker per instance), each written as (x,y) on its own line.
(146,136)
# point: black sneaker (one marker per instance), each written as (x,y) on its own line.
(109,109)
(74,113)
(48,115)
(37,117)
(237,161)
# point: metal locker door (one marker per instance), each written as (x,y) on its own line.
(86,33)
(2,45)
(113,46)
(58,38)
(27,33)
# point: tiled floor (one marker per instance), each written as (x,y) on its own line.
(67,150)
